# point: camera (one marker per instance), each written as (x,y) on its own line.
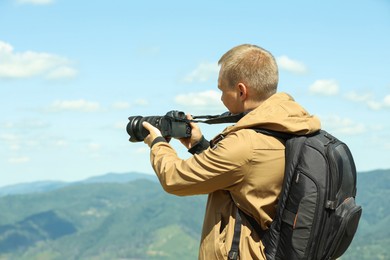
(173,124)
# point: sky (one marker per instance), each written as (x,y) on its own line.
(72,72)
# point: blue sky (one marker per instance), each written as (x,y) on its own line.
(72,72)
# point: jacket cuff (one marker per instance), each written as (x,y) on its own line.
(200,146)
(157,140)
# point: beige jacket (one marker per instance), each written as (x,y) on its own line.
(246,164)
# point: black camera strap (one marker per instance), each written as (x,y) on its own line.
(226,117)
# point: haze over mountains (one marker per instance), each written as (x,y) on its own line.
(42,186)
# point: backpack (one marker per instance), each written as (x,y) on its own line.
(316,215)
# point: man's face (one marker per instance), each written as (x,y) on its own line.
(230,95)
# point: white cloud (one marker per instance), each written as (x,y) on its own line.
(204,98)
(60,143)
(12,141)
(353,96)
(369,101)
(204,72)
(80,105)
(29,64)
(374,105)
(19,160)
(35,2)
(7,125)
(288,64)
(94,147)
(120,125)
(386,101)
(150,51)
(62,72)
(209,101)
(9,137)
(121,105)
(325,87)
(26,124)
(141,102)
(338,125)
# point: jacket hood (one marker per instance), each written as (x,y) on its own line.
(280,113)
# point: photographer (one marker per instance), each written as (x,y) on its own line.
(240,167)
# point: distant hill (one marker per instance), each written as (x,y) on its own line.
(42,226)
(372,239)
(113,217)
(45,186)
(119,178)
(23,188)
(135,220)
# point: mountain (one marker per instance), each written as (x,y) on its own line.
(135,220)
(119,178)
(138,220)
(37,227)
(41,186)
(373,235)
(45,186)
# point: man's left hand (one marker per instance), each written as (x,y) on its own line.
(154,132)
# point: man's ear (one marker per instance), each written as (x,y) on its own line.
(243,91)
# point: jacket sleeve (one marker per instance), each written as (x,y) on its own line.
(216,168)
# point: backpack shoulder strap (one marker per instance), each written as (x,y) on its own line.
(277,134)
(234,250)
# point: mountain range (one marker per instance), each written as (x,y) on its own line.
(44,186)
(129,216)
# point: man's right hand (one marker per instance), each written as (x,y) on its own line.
(196,134)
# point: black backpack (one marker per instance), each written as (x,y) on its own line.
(316,215)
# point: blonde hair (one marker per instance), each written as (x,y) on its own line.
(253,66)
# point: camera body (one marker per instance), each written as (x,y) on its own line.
(173,124)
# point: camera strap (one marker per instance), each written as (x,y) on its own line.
(226,117)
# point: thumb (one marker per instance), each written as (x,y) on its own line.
(152,130)
(147,126)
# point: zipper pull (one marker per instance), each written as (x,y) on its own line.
(297,178)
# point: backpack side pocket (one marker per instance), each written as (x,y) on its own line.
(347,217)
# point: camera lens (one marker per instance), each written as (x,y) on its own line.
(135,129)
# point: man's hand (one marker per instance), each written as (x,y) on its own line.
(196,134)
(153,133)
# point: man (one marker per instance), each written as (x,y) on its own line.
(241,168)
